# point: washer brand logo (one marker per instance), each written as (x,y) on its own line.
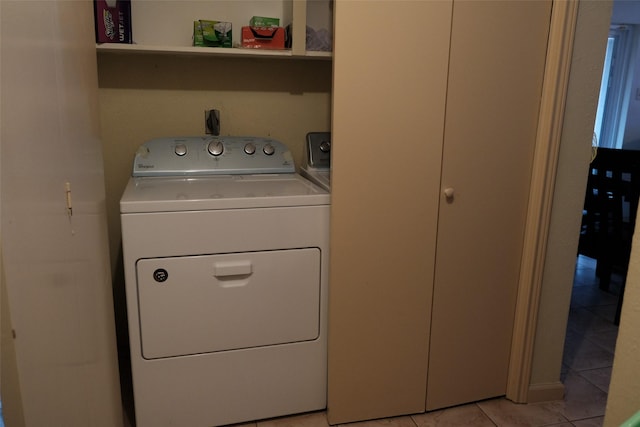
(160,275)
(143,166)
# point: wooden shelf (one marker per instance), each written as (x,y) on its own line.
(175,40)
(212,51)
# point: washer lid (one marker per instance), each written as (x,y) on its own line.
(170,194)
(319,176)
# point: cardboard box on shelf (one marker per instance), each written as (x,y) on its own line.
(263,37)
(212,33)
(263,21)
(112,21)
(197,34)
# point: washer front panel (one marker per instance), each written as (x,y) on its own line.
(200,304)
(227,386)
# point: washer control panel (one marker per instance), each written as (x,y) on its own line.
(224,155)
(319,149)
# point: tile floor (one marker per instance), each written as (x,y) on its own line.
(588,357)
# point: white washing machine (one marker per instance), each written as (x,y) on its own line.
(226,255)
(318,167)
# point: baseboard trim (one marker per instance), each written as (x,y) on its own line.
(545,392)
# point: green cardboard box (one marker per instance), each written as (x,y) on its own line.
(197,34)
(263,21)
(212,33)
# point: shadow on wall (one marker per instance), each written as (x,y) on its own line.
(122,338)
(266,75)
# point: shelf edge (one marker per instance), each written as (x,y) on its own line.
(206,51)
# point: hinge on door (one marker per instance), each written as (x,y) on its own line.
(67,188)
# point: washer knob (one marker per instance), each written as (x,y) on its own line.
(215,148)
(325,146)
(249,148)
(268,149)
(180,150)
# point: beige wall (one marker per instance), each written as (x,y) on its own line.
(61,345)
(149,96)
(9,382)
(584,83)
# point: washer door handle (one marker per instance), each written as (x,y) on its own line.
(225,269)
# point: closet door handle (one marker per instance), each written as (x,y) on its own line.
(449,192)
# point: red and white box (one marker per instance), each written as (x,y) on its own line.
(263,37)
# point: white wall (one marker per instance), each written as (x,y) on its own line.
(632,128)
(56,266)
(628,12)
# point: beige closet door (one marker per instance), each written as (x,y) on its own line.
(495,80)
(390,77)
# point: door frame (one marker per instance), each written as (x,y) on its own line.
(564,17)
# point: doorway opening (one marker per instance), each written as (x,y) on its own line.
(609,213)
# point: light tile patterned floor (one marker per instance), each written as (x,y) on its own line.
(586,371)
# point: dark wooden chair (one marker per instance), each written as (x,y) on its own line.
(609,215)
